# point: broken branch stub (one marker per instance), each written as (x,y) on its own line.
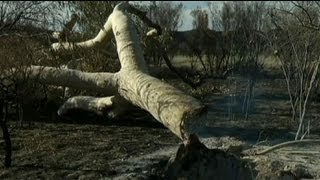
(178,111)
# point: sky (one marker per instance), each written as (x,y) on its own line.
(188,7)
(191,5)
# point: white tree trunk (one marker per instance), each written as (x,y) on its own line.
(170,106)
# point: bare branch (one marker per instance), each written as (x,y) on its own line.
(285,144)
(62,36)
(88,103)
(98,82)
(306,12)
(143,16)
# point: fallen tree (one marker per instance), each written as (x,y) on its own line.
(132,85)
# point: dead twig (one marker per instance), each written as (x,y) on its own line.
(285,144)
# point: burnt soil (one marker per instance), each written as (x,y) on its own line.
(87,147)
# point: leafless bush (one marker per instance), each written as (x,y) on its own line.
(243,25)
(18,94)
(296,45)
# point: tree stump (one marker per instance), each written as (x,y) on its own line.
(195,161)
